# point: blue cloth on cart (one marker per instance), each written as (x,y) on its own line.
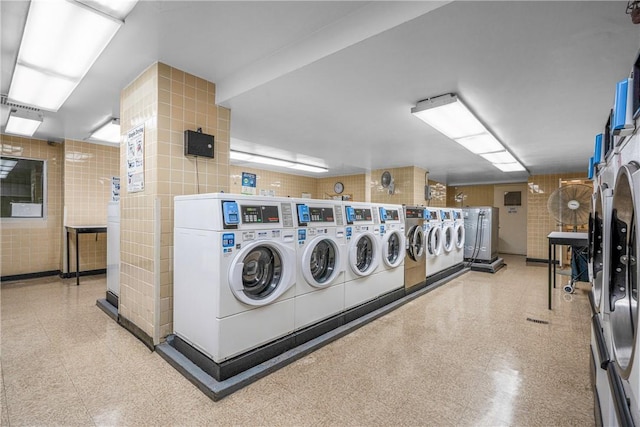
(579,269)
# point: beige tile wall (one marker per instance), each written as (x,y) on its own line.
(168,101)
(354,186)
(403,179)
(34,245)
(472,195)
(438,194)
(284,184)
(539,221)
(88,169)
(418,186)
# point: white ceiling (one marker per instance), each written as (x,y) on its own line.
(333,82)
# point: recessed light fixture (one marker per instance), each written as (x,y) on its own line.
(60,43)
(451,117)
(6,166)
(23,122)
(108,132)
(267,160)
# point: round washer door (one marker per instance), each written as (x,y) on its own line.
(261,272)
(321,261)
(459,235)
(448,239)
(434,241)
(393,245)
(363,254)
(415,243)
(623,284)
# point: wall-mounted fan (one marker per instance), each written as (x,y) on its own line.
(571,204)
(387,182)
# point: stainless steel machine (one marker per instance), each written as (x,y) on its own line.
(481,234)
(414,262)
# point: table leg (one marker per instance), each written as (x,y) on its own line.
(77,261)
(68,256)
(554,265)
(549,270)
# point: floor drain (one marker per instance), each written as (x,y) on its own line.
(543,322)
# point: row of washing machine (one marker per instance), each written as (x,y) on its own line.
(445,237)
(613,251)
(249,270)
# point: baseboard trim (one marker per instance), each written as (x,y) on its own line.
(29,275)
(136,331)
(540,260)
(84,273)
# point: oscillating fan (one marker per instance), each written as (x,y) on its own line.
(387,182)
(570,205)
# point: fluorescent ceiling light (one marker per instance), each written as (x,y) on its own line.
(118,9)
(510,167)
(109,132)
(23,122)
(266,160)
(499,157)
(6,166)
(60,43)
(449,116)
(309,168)
(480,144)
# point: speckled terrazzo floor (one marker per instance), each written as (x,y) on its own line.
(463,354)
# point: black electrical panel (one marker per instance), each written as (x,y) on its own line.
(198,144)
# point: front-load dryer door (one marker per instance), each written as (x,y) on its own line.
(448,240)
(623,285)
(415,243)
(261,272)
(363,254)
(393,249)
(598,220)
(459,235)
(434,241)
(321,262)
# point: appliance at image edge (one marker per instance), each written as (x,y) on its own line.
(415,259)
(113,250)
(321,257)
(234,272)
(623,283)
(363,249)
(458,236)
(433,237)
(481,234)
(448,238)
(389,275)
(599,237)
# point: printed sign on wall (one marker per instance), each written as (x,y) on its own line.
(248,183)
(135,159)
(115,188)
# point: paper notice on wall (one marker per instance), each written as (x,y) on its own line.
(135,159)
(512,210)
(115,188)
(248,183)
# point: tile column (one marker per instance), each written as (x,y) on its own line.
(167,101)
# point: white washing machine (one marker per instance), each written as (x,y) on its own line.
(321,257)
(390,273)
(623,286)
(234,272)
(363,249)
(448,238)
(458,235)
(433,237)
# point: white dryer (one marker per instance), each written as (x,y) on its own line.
(458,236)
(448,238)
(624,279)
(234,272)
(363,249)
(321,257)
(433,237)
(390,273)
